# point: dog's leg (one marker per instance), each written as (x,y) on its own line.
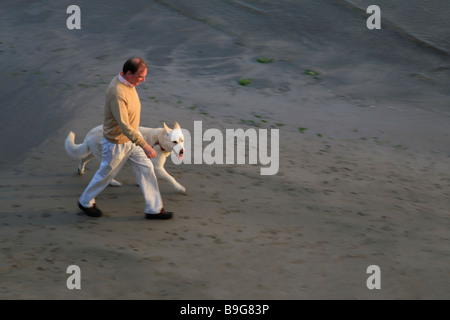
(83,162)
(163,174)
(82,165)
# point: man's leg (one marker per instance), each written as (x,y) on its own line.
(145,174)
(113,158)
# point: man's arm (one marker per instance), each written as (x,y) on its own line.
(120,113)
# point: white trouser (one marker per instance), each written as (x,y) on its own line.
(114,157)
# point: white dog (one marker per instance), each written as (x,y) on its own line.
(163,140)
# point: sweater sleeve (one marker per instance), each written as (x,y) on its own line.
(119,110)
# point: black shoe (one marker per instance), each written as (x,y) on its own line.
(162,215)
(91,212)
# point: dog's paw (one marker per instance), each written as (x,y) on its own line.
(115,183)
(181,189)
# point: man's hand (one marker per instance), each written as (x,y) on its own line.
(149,151)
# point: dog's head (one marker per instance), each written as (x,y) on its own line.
(174,140)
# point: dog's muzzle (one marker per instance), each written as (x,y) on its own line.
(181,154)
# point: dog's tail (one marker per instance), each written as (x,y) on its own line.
(78,151)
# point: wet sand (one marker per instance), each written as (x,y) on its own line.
(364,183)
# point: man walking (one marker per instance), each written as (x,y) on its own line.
(123,142)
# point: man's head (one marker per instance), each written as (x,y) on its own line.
(135,70)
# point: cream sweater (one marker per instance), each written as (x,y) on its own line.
(122,114)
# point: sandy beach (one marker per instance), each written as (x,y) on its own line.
(364,144)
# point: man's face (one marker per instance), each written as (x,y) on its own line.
(138,77)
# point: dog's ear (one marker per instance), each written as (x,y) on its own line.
(176,125)
(166,128)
